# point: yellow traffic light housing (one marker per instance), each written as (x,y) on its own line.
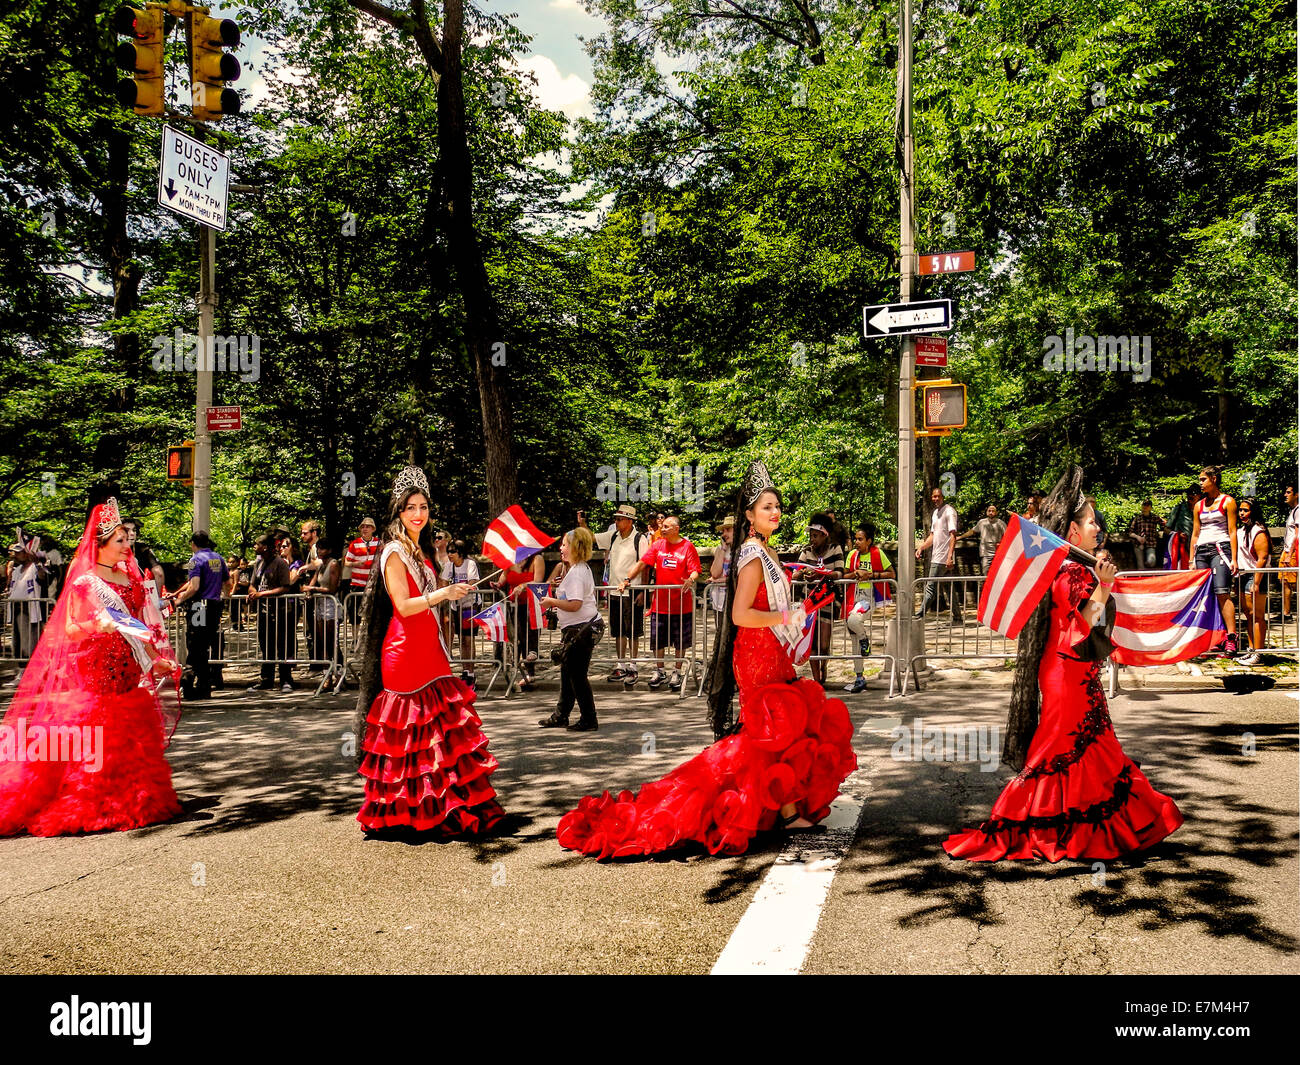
(211,66)
(143,56)
(180,463)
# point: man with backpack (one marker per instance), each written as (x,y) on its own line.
(624,547)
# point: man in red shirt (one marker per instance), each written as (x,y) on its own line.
(675,562)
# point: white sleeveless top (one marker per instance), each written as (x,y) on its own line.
(1246,550)
(1214,521)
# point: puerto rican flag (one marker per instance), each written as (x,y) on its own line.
(532,596)
(1164,617)
(493,622)
(511,537)
(1027,562)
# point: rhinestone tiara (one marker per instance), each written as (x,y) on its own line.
(757,481)
(411,477)
(109,517)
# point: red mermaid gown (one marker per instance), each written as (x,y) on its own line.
(425,760)
(1079,795)
(794,746)
(122,779)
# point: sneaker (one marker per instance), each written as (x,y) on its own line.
(658,679)
(1248,659)
(1230,644)
(531,656)
(859,685)
(554,721)
(287,686)
(583,726)
(675,682)
(616,674)
(629,679)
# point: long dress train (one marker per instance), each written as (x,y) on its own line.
(794,746)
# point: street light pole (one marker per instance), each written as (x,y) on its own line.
(906,399)
(203,380)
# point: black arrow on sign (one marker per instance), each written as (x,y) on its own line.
(170,188)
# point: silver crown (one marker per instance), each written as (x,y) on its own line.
(411,477)
(109,517)
(757,481)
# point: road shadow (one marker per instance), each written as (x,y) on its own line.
(1201,874)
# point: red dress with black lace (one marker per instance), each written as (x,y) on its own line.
(1079,795)
(88,756)
(426,759)
(794,746)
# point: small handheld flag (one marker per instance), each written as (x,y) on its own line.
(493,622)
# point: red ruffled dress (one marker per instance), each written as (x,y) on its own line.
(425,757)
(1079,795)
(121,779)
(794,746)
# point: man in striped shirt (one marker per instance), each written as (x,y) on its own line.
(357,560)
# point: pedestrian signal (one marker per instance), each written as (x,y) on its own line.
(180,464)
(943,407)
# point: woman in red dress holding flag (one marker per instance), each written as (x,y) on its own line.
(424,755)
(81,747)
(1078,795)
(782,765)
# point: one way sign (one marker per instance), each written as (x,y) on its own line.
(193,179)
(894,319)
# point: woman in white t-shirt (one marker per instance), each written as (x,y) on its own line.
(575,601)
(1253,547)
(461,569)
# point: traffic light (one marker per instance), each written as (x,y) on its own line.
(143,56)
(180,463)
(943,406)
(211,66)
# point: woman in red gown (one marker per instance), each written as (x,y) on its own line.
(781,766)
(424,755)
(1078,795)
(81,746)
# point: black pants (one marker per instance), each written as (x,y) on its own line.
(275,625)
(574,685)
(202,622)
(525,636)
(933,592)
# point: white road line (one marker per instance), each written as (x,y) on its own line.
(776,930)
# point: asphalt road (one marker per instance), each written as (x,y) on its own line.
(267,870)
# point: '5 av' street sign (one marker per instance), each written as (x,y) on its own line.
(894,319)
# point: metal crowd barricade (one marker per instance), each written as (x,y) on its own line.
(946,639)
(21,623)
(270,631)
(843,641)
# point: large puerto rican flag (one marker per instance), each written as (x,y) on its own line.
(512,537)
(1024,567)
(1164,617)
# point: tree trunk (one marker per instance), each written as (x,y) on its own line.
(483,333)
